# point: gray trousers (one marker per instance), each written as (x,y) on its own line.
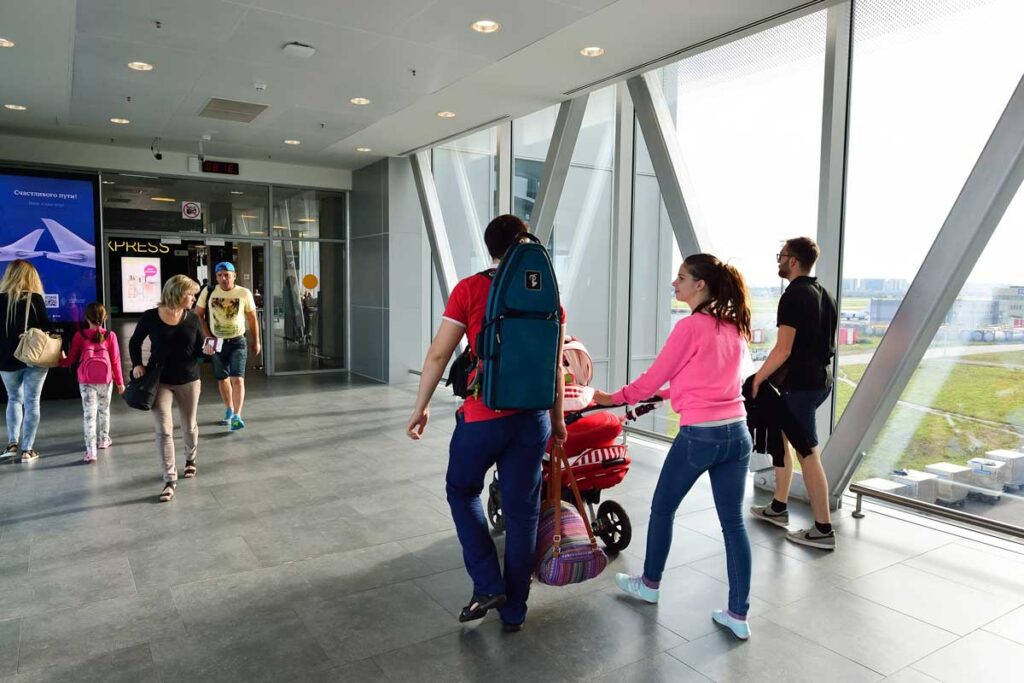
(187,398)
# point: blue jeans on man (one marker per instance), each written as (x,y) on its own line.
(516,445)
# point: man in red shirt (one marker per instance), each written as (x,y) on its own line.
(511,439)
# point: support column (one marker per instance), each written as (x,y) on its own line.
(622,233)
(655,119)
(440,249)
(504,131)
(556,165)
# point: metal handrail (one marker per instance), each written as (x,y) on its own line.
(933,509)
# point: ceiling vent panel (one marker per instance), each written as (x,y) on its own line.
(232,110)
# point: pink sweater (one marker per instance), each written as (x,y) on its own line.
(701,363)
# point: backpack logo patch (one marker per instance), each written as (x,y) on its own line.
(533,280)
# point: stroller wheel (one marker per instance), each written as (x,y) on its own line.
(613,526)
(494,515)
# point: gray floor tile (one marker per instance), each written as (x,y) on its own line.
(132,664)
(179,559)
(865,632)
(1009,626)
(949,605)
(993,571)
(775,578)
(706,522)
(261,494)
(687,545)
(909,675)
(282,650)
(661,669)
(772,654)
(474,653)
(452,590)
(65,586)
(338,574)
(10,636)
(598,633)
(64,637)
(363,671)
(440,551)
(981,656)
(275,544)
(373,622)
(237,600)
(686,602)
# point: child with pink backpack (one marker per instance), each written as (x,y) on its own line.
(99,363)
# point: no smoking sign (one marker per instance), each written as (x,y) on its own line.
(193,211)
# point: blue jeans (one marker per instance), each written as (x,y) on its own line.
(723,452)
(516,444)
(230,360)
(23,389)
(803,405)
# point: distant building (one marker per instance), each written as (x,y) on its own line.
(967,313)
(1011,304)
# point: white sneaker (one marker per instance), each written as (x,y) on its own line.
(739,627)
(634,585)
(813,538)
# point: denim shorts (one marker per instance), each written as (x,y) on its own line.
(230,360)
(802,405)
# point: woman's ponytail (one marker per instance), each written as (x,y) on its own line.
(728,297)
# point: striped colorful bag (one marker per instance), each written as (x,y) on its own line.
(567,551)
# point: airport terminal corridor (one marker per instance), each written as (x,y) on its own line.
(316,545)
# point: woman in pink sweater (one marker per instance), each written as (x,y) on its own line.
(701,364)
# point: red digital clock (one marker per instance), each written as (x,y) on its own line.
(223,167)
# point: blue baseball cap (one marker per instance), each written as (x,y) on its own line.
(224,265)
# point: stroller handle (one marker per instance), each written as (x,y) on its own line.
(646,406)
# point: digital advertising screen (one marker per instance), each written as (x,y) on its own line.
(50,220)
(140,283)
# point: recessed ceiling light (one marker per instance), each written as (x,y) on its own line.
(280,227)
(108,182)
(307,220)
(140,66)
(246,215)
(446,114)
(15,107)
(120,121)
(163,199)
(363,149)
(485,26)
(293,142)
(6,43)
(237,192)
(592,51)
(359,100)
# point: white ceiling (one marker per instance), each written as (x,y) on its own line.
(412,58)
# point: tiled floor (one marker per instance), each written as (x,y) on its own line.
(316,546)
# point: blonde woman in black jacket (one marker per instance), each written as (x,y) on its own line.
(21,294)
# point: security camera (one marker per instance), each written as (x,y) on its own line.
(155,149)
(201,157)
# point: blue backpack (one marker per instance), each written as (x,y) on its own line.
(518,344)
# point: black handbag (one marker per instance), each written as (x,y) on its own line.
(141,393)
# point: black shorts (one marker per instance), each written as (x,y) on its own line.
(803,405)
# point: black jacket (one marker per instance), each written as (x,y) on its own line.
(11,331)
(768,419)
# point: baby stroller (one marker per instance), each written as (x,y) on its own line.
(597,454)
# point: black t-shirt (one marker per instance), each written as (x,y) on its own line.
(176,347)
(807,307)
(11,330)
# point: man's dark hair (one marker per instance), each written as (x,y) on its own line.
(805,250)
(502,233)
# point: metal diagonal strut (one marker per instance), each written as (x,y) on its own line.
(655,119)
(556,166)
(440,248)
(975,215)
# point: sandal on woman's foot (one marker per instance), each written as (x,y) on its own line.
(190,469)
(167,495)
(11,451)
(479,604)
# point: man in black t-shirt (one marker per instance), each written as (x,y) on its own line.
(799,366)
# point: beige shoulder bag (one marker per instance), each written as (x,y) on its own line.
(37,348)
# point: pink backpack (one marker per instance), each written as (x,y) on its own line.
(94,366)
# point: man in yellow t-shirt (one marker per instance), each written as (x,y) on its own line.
(230,306)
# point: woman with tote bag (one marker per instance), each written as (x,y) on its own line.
(21,302)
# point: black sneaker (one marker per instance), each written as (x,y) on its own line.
(479,604)
(10,452)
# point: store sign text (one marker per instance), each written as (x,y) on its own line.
(138,247)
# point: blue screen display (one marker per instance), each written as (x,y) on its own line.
(51,222)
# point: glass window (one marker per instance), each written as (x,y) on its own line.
(164,205)
(308,214)
(748,118)
(308,324)
(919,117)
